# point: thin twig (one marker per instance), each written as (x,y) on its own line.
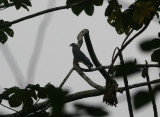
(127,87)
(44,12)
(129,41)
(66,78)
(10,108)
(126,37)
(151,93)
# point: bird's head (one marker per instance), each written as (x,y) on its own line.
(73,45)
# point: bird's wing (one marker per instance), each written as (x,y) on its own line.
(81,57)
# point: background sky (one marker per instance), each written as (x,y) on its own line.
(39,52)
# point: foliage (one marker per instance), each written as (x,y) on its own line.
(5,32)
(152,44)
(138,15)
(17,3)
(88,7)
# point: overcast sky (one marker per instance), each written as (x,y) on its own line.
(39,52)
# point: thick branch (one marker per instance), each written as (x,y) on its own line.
(107,67)
(88,80)
(82,95)
(85,33)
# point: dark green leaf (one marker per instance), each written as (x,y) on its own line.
(25,7)
(34,87)
(92,110)
(32,93)
(126,69)
(149,45)
(141,99)
(3,37)
(15,100)
(42,93)
(155,57)
(27,101)
(159,34)
(13,90)
(27,2)
(9,31)
(1,1)
(17,4)
(77,9)
(144,73)
(89,9)
(98,2)
(6,3)
(5,95)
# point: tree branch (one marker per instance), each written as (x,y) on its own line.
(85,33)
(126,86)
(43,12)
(107,67)
(88,80)
(66,78)
(81,95)
(129,41)
(151,92)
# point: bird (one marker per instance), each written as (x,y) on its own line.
(79,56)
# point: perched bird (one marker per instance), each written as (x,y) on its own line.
(79,56)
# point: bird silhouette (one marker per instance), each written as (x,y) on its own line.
(79,56)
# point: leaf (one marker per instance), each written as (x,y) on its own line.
(3,37)
(42,93)
(6,3)
(27,101)
(143,10)
(92,110)
(5,95)
(15,100)
(25,7)
(9,31)
(34,87)
(1,1)
(155,57)
(32,93)
(141,99)
(159,34)
(149,45)
(144,74)
(98,2)
(127,69)
(89,9)
(13,90)
(17,4)
(88,6)
(27,2)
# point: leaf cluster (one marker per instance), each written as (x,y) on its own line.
(152,44)
(134,17)
(5,31)
(17,3)
(88,7)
